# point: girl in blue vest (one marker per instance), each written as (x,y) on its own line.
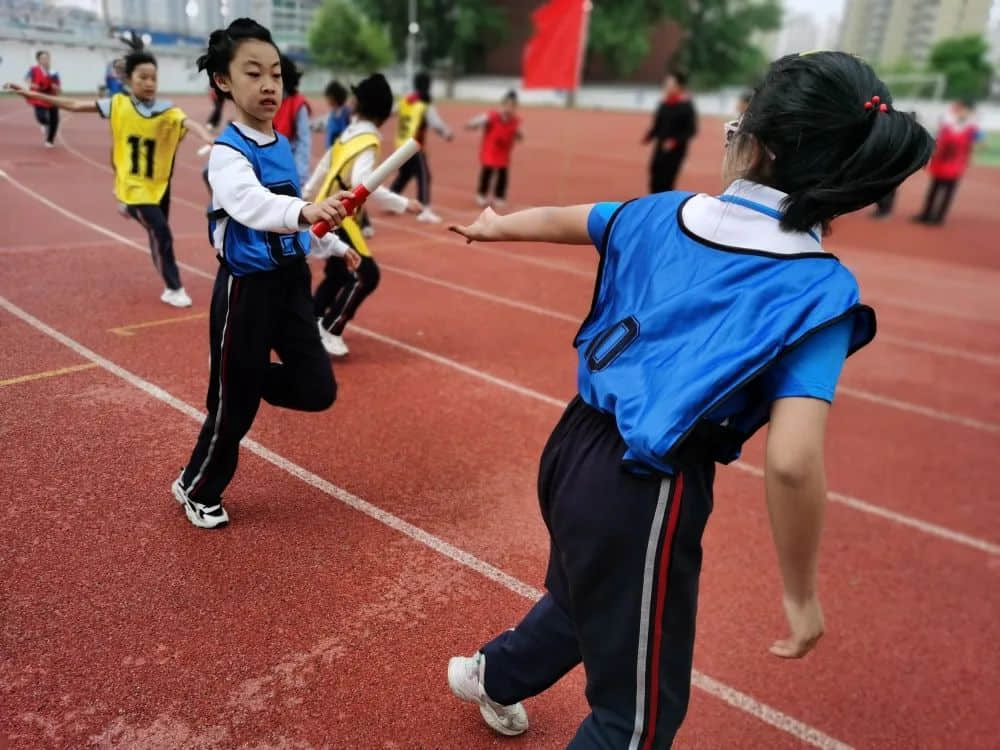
(711,316)
(262,299)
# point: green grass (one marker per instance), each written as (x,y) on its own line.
(987,153)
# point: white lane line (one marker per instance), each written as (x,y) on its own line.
(729,695)
(860,505)
(978,357)
(926,411)
(891,515)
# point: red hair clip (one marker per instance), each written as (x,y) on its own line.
(876,101)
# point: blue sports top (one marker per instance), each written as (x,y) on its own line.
(704,313)
(247,250)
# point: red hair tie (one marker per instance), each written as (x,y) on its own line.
(876,101)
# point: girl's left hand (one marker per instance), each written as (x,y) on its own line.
(352,259)
(17,88)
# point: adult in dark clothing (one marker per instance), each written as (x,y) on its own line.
(673,126)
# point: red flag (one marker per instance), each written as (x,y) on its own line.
(552,57)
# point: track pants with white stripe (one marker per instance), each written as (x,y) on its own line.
(622,586)
(154,218)
(341,292)
(415,168)
(251,316)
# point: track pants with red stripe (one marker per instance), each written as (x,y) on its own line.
(251,316)
(622,586)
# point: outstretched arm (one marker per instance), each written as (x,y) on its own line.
(199,130)
(565,225)
(63,102)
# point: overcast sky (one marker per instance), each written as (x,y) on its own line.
(823,8)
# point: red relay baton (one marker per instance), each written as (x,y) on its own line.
(379,175)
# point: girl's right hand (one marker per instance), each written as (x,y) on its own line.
(330,210)
(17,88)
(485,228)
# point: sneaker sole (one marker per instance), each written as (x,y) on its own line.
(191,514)
(489,715)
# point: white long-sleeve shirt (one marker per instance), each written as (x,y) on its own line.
(236,189)
(382,197)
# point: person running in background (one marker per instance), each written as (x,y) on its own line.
(44,80)
(955,139)
(883,206)
(339,116)
(292,119)
(146,132)
(343,167)
(114,77)
(416,114)
(500,130)
(674,125)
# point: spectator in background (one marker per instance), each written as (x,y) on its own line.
(955,139)
(113,77)
(883,206)
(340,114)
(44,80)
(674,125)
(292,118)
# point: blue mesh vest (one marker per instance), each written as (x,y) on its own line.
(246,250)
(678,325)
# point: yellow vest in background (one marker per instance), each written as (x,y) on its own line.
(410,119)
(143,150)
(342,157)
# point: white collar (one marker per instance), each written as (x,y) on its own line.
(733,225)
(357,127)
(261,139)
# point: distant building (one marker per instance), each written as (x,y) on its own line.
(886,31)
(799,33)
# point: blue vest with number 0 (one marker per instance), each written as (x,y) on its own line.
(678,325)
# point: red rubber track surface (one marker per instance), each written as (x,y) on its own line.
(309,624)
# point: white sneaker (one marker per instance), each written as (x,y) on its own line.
(202,516)
(368,232)
(49,145)
(176,297)
(499,203)
(428,217)
(482,200)
(335,345)
(465,678)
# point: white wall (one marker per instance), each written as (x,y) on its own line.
(81,67)
(82,70)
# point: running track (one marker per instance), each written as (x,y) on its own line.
(371,542)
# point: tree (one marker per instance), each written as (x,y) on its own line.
(342,38)
(718,43)
(963,62)
(457,31)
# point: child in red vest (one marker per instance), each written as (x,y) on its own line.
(292,118)
(500,130)
(43,79)
(955,140)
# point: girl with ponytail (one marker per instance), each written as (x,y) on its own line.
(711,316)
